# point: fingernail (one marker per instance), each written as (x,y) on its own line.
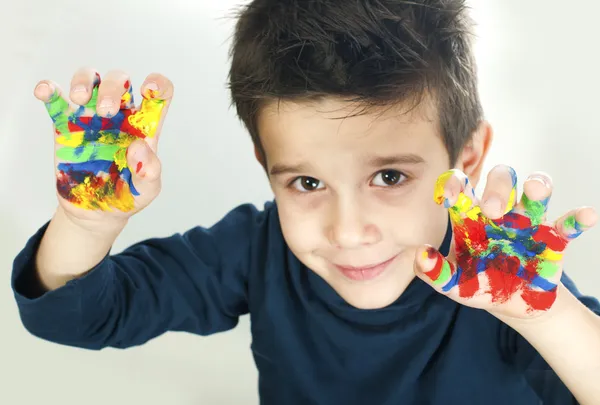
(80,88)
(539,178)
(152,86)
(106,104)
(151,90)
(42,86)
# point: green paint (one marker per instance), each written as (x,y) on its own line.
(93,100)
(91,151)
(445,274)
(547,269)
(571,223)
(57,108)
(535,210)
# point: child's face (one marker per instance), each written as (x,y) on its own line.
(356,192)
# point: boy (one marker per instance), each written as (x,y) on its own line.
(355,109)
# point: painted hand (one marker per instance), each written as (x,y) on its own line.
(505,257)
(105,146)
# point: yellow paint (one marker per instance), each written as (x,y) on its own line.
(511,201)
(147,118)
(73,140)
(126,98)
(121,159)
(87,198)
(550,254)
(438,194)
(463,205)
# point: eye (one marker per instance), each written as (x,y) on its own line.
(304,184)
(388,178)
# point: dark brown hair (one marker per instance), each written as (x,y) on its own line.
(376,53)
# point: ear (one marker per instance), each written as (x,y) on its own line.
(472,157)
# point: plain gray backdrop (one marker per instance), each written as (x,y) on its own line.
(539,80)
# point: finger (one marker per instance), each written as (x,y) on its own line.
(500,192)
(433,268)
(455,192)
(537,191)
(84,86)
(143,172)
(157,92)
(113,92)
(57,106)
(575,222)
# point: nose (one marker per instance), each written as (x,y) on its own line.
(349,227)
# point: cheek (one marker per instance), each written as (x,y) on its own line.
(301,229)
(412,217)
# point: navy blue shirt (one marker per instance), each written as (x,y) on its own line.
(309,345)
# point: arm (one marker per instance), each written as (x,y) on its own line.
(564,345)
(68,249)
(194,282)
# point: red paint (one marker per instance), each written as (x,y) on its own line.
(502,270)
(127,85)
(475,232)
(550,237)
(126,126)
(502,278)
(138,167)
(468,283)
(539,300)
(74,127)
(435,272)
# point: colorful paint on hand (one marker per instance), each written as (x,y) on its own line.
(93,171)
(518,253)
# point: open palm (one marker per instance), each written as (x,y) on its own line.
(511,264)
(93,169)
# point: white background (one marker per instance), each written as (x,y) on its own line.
(538,70)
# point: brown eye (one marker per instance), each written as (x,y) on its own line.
(387,178)
(305,183)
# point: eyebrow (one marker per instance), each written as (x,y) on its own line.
(375,161)
(409,158)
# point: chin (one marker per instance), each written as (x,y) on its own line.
(374,302)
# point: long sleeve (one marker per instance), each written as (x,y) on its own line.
(536,370)
(194,282)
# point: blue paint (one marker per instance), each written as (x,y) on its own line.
(453,280)
(543,284)
(79,171)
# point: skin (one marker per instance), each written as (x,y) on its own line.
(78,237)
(347,215)
(359,212)
(353,217)
(93,172)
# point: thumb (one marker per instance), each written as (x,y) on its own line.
(145,169)
(433,268)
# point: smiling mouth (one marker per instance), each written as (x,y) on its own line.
(364,273)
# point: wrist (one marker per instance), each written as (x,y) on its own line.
(565,305)
(72,246)
(103,226)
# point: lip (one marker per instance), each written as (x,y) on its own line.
(364,273)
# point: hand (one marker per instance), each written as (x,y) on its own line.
(505,257)
(105,147)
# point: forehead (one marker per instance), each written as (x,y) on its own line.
(294,126)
